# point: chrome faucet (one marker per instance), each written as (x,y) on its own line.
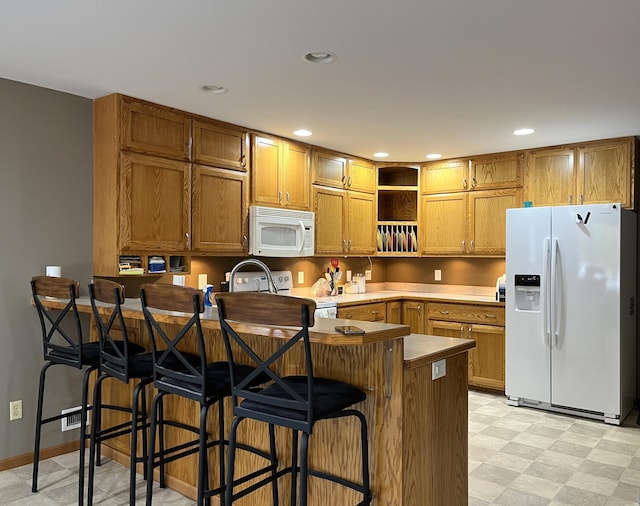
(257,263)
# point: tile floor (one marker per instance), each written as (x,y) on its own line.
(517,456)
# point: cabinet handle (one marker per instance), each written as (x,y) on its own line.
(374,312)
(469,332)
(442,311)
(462,331)
(350,181)
(464,245)
(243,161)
(190,147)
(474,182)
(344,180)
(419,308)
(344,245)
(581,199)
(464,183)
(471,246)
(350,243)
(245,242)
(348,316)
(491,316)
(280,197)
(187,240)
(288,197)
(570,199)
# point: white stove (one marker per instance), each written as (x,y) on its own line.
(257,282)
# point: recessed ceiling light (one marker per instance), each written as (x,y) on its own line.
(213,88)
(319,57)
(302,133)
(381,154)
(434,156)
(523,131)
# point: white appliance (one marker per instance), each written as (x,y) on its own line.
(570,309)
(257,282)
(277,232)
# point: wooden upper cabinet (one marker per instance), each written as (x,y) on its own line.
(220,145)
(280,173)
(328,169)
(444,176)
(220,211)
(153,129)
(604,173)
(155,204)
(550,177)
(487,220)
(361,176)
(443,224)
(496,171)
(329,206)
(361,223)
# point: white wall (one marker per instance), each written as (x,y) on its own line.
(45,218)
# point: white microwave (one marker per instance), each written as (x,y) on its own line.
(275,232)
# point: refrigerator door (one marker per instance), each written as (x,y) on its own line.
(528,364)
(585,308)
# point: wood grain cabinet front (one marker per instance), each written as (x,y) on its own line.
(373,312)
(280,173)
(483,324)
(336,170)
(220,145)
(414,315)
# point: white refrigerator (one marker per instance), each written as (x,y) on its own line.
(570,309)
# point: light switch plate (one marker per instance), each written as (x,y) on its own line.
(437,275)
(301,277)
(439,369)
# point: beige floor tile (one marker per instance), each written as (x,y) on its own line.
(628,492)
(533,440)
(494,474)
(525,451)
(543,430)
(576,450)
(483,489)
(560,460)
(536,486)
(600,469)
(508,423)
(606,457)
(576,496)
(513,497)
(579,439)
(631,476)
(592,483)
(549,472)
(617,447)
(500,432)
(493,443)
(511,462)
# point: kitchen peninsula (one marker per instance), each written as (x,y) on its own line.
(417,425)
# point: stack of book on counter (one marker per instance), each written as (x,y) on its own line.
(157,265)
(130,265)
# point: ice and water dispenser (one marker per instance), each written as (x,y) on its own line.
(527,288)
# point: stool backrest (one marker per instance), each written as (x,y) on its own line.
(168,360)
(114,359)
(238,308)
(61,340)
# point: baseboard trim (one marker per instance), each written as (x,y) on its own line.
(45,453)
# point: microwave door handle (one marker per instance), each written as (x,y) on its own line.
(302,232)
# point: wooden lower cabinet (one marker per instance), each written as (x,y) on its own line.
(394,312)
(483,324)
(413,314)
(374,312)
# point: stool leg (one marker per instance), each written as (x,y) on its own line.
(294,466)
(161,440)
(274,464)
(221,462)
(365,459)
(138,391)
(304,453)
(94,439)
(202,455)
(83,431)
(231,461)
(157,400)
(36,448)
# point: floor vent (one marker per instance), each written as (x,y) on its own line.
(71,418)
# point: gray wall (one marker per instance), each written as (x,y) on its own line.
(45,219)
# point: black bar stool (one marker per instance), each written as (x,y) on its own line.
(124,361)
(295,402)
(191,376)
(62,345)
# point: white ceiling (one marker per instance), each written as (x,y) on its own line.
(411,76)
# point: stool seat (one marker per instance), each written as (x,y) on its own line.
(329,396)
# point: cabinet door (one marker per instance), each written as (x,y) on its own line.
(550,177)
(446,329)
(329,206)
(413,314)
(444,176)
(394,312)
(444,224)
(375,312)
(498,171)
(488,219)
(486,360)
(361,223)
(328,169)
(155,130)
(220,145)
(267,159)
(219,210)
(604,173)
(155,204)
(295,177)
(361,176)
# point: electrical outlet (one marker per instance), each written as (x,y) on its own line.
(438,369)
(367,275)
(348,276)
(300,278)
(437,275)
(15,410)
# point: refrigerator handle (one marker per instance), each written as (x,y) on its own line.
(544,290)
(554,292)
